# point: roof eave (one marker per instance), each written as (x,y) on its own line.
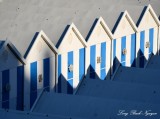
(105,27)
(13,49)
(47,41)
(154,14)
(16,53)
(149,9)
(77,33)
(131,22)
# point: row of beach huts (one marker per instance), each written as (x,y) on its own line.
(61,67)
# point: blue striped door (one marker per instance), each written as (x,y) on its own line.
(92,61)
(59,73)
(123,46)
(70,74)
(20,87)
(133,50)
(141,52)
(5,92)
(33,87)
(46,74)
(103,61)
(81,63)
(151,38)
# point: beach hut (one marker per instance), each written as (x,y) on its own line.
(124,43)
(11,76)
(147,43)
(98,54)
(9,56)
(40,69)
(71,59)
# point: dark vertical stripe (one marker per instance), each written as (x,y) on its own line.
(70,74)
(103,60)
(92,61)
(20,87)
(33,87)
(133,50)
(151,38)
(142,43)
(46,74)
(59,73)
(81,63)
(5,93)
(123,46)
(114,55)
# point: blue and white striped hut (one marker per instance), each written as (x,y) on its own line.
(9,56)
(71,60)
(98,54)
(124,43)
(148,41)
(40,69)
(11,76)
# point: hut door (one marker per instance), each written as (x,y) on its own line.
(100,60)
(78,66)
(146,46)
(128,49)
(124,51)
(70,73)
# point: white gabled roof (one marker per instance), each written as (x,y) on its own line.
(143,14)
(65,34)
(21,19)
(100,21)
(128,17)
(47,41)
(13,49)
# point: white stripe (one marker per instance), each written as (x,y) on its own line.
(118,49)
(128,47)
(155,31)
(39,72)
(0,89)
(27,87)
(13,88)
(75,68)
(146,50)
(108,57)
(158,39)
(112,56)
(64,68)
(87,62)
(98,65)
(137,48)
(52,74)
